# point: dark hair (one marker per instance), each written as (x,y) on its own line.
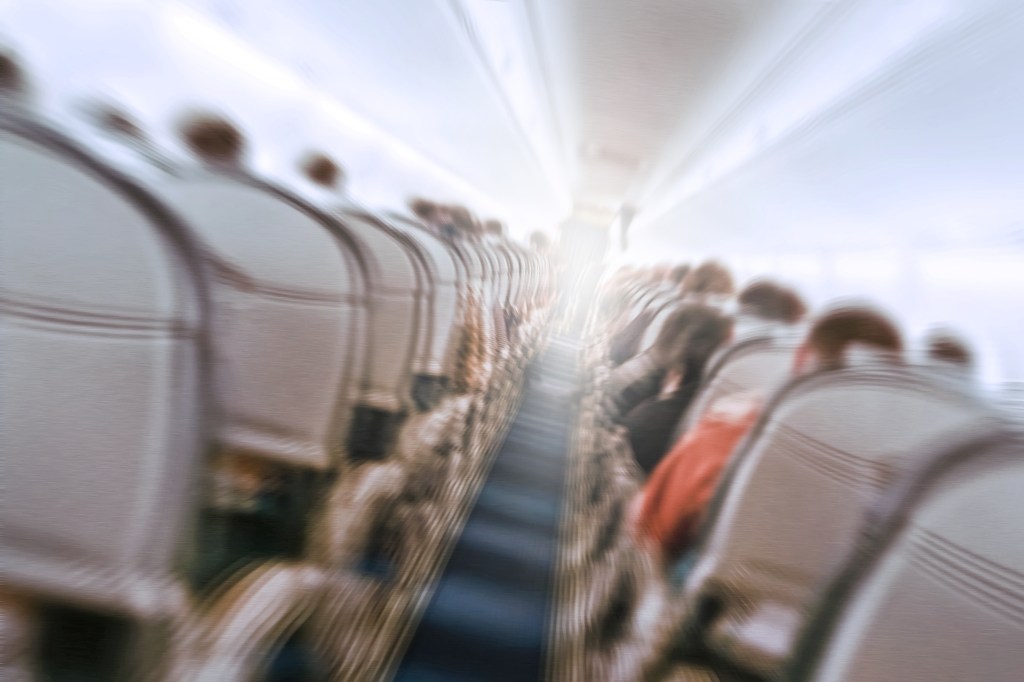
(463,220)
(946,346)
(772,301)
(678,273)
(119,121)
(321,169)
(12,76)
(835,331)
(495,227)
(690,335)
(212,137)
(710,277)
(424,209)
(540,241)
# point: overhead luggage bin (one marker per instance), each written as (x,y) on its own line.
(288,311)
(103,322)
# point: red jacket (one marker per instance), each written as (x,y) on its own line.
(674,500)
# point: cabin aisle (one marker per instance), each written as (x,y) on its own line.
(488,618)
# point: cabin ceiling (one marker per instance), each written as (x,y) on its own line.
(628,77)
(538,104)
(524,108)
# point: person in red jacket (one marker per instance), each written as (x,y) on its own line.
(669,509)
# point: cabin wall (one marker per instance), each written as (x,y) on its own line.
(903,187)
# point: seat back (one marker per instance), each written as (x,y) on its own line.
(288,308)
(479,280)
(516,269)
(443,305)
(796,492)
(663,307)
(103,324)
(425,266)
(395,296)
(762,363)
(937,591)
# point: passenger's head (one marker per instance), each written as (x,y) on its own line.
(322,170)
(213,138)
(835,332)
(112,119)
(771,301)
(462,220)
(494,227)
(689,336)
(677,275)
(708,278)
(945,346)
(540,241)
(426,210)
(14,83)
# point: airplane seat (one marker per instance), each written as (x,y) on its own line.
(759,363)
(626,342)
(623,617)
(104,321)
(395,294)
(449,302)
(609,483)
(434,305)
(935,589)
(663,309)
(257,610)
(288,319)
(630,383)
(796,491)
(344,627)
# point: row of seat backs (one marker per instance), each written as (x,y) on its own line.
(795,492)
(122,303)
(935,587)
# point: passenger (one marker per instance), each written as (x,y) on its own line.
(325,173)
(650,424)
(685,336)
(710,278)
(424,209)
(767,300)
(627,336)
(213,139)
(669,509)
(322,170)
(540,242)
(15,89)
(495,228)
(625,342)
(677,275)
(765,305)
(433,216)
(463,222)
(948,351)
(946,346)
(116,125)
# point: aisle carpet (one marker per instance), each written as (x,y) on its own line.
(489,615)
